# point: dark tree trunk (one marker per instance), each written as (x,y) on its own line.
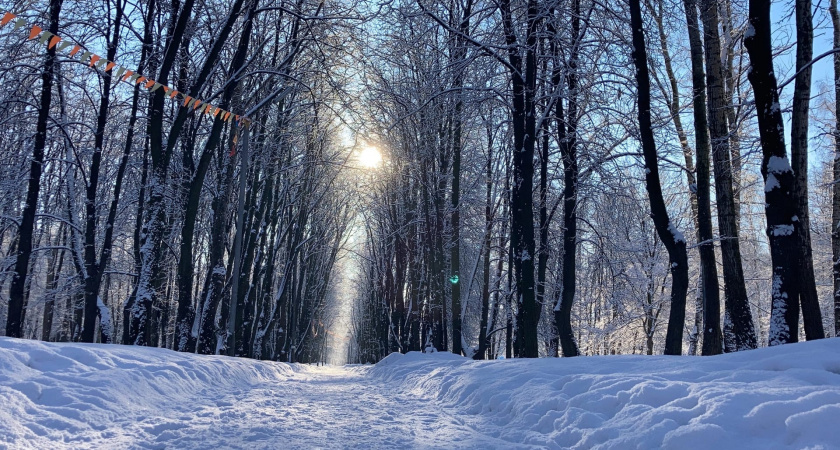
(459,59)
(94,268)
(14,320)
(481,352)
(671,238)
(835,188)
(740,332)
(810,303)
(567,137)
(779,182)
(53,273)
(216,270)
(523,116)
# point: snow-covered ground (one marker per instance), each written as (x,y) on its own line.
(98,396)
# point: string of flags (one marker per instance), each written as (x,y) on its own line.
(96,62)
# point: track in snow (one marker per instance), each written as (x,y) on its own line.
(318,407)
(98,396)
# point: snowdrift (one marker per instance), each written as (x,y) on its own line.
(772,398)
(93,395)
(109,396)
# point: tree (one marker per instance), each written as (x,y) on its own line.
(669,234)
(783,225)
(835,189)
(811,315)
(739,332)
(23,251)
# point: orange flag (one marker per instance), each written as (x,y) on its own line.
(7,18)
(150,84)
(36,30)
(127,74)
(54,41)
(140,80)
(187,99)
(196,104)
(110,66)
(173,93)
(75,50)
(93,60)
(216,112)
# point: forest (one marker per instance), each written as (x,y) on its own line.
(336,180)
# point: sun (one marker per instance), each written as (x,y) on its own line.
(370,157)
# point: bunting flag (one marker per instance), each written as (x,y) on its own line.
(6,19)
(44,36)
(95,61)
(63,45)
(36,30)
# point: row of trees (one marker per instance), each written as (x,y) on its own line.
(130,218)
(510,218)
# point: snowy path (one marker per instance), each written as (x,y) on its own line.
(318,407)
(55,396)
(93,396)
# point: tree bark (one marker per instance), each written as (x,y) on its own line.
(459,59)
(669,234)
(523,117)
(740,331)
(94,267)
(14,319)
(779,182)
(811,314)
(835,188)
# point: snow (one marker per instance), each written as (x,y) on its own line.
(778,164)
(781,230)
(678,236)
(90,396)
(771,183)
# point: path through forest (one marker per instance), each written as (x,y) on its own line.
(318,407)
(93,396)
(103,396)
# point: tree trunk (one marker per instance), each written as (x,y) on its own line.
(567,137)
(835,188)
(14,320)
(740,332)
(94,268)
(669,234)
(779,182)
(522,213)
(811,314)
(481,352)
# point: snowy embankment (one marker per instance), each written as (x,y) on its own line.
(97,396)
(781,397)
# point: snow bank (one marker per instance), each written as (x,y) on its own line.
(76,393)
(780,397)
(110,396)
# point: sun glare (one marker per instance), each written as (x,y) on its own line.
(370,157)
